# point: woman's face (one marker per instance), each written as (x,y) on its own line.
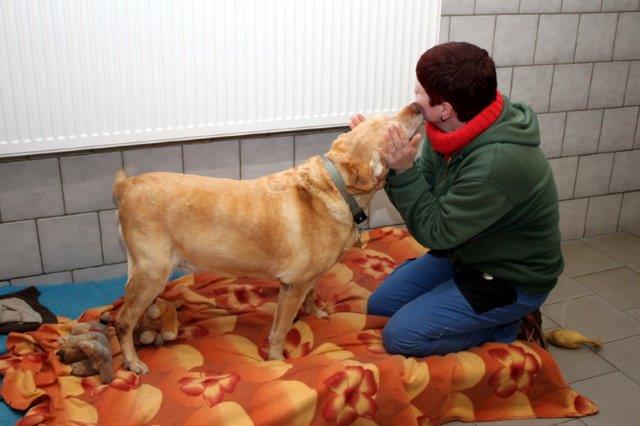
(432,114)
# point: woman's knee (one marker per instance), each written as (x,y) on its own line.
(399,340)
(377,304)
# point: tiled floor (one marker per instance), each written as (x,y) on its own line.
(599,295)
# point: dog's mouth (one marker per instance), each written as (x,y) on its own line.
(424,113)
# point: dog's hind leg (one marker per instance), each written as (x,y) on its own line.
(143,286)
(290,300)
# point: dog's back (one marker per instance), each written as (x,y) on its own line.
(274,227)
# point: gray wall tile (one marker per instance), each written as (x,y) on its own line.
(573,214)
(618,129)
(458,7)
(443,37)
(608,84)
(87,181)
(564,173)
(473,29)
(503,76)
(312,144)
(215,159)
(570,89)
(636,144)
(581,5)
(261,157)
(632,95)
(532,85)
(537,6)
(515,39)
(112,247)
(595,37)
(100,273)
(625,175)
(602,214)
(70,242)
(551,133)
(619,5)
(627,45)
(630,211)
(594,172)
(382,212)
(30,189)
(165,159)
(55,278)
(488,7)
(19,252)
(556,39)
(582,132)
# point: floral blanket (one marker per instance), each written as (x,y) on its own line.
(335,371)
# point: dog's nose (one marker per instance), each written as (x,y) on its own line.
(415,108)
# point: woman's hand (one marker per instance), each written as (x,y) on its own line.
(398,150)
(355,120)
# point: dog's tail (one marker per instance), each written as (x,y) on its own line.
(119,179)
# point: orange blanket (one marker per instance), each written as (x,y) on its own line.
(335,371)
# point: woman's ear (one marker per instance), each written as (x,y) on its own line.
(446,111)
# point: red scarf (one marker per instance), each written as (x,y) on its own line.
(449,143)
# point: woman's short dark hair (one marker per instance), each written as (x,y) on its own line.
(460,73)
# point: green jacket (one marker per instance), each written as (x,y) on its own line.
(493,207)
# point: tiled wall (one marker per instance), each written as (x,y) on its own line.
(576,62)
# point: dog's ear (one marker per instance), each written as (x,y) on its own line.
(359,176)
(365,177)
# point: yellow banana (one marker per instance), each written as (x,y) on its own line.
(569,339)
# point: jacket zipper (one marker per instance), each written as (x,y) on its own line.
(442,177)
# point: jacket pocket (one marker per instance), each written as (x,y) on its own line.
(482,292)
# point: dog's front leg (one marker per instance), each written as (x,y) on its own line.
(290,300)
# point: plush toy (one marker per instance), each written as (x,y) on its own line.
(87,348)
(88,352)
(159,324)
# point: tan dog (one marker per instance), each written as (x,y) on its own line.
(290,226)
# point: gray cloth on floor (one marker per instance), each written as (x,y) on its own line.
(17,310)
(18,319)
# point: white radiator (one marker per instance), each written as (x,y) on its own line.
(94,73)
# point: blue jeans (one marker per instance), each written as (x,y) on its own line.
(430,316)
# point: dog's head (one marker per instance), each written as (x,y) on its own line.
(356,153)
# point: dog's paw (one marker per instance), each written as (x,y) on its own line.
(136,366)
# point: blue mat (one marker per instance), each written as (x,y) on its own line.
(69,300)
